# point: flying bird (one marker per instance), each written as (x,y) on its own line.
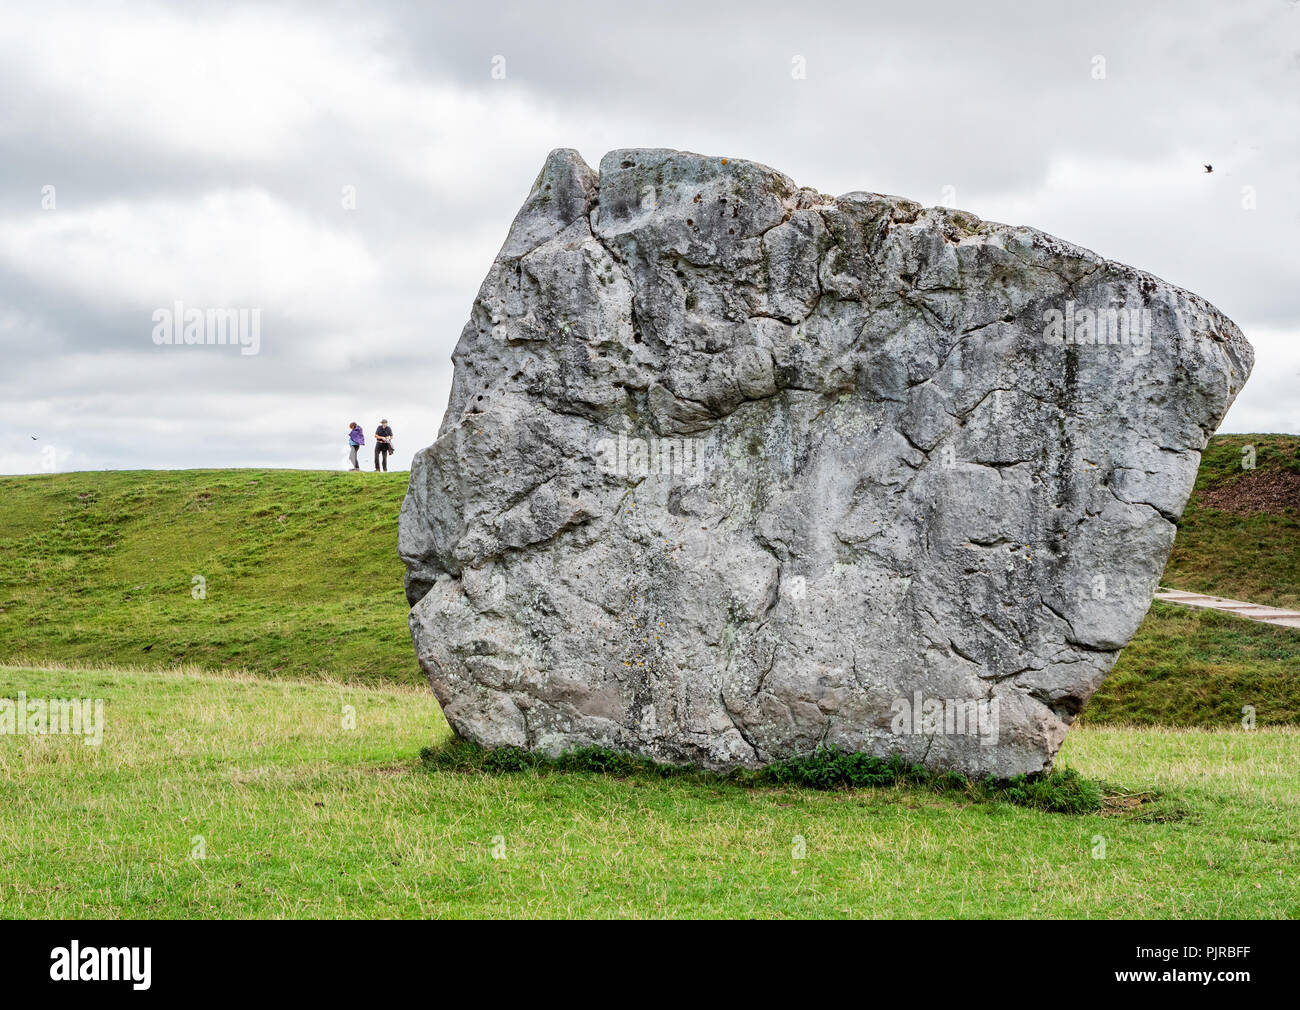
(1209,169)
(35,437)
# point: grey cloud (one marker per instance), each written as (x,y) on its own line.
(904,98)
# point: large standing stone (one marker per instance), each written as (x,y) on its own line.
(732,469)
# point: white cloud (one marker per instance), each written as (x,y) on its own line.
(240,248)
(1270,402)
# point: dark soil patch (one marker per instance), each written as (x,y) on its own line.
(1255,491)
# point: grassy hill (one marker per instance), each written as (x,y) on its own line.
(300,571)
(302,580)
(1240,534)
(1238,537)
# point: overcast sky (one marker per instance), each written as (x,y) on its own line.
(202,153)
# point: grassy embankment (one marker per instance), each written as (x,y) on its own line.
(302,580)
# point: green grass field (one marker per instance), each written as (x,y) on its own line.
(228,785)
(294,815)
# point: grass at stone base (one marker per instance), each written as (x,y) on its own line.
(296,815)
(1057,791)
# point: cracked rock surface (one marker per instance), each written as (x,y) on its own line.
(733,469)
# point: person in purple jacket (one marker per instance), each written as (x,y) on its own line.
(356,439)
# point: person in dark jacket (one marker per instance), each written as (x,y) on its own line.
(383,444)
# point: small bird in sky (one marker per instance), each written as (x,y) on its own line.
(1209,169)
(35,437)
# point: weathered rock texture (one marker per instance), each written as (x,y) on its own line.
(912,481)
